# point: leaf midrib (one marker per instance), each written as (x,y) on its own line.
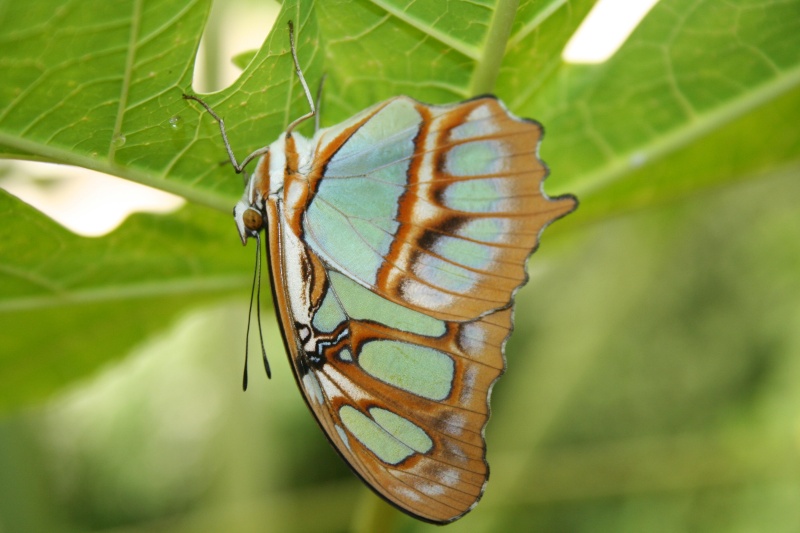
(127,291)
(127,76)
(55,154)
(700,125)
(469,51)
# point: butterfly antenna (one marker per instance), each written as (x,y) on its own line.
(255,293)
(259,261)
(250,318)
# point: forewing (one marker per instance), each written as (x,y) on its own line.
(433,207)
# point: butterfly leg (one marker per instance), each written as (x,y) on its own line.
(239,167)
(297,69)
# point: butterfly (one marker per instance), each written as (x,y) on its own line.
(396,243)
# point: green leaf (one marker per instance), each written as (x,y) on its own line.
(703,96)
(99,85)
(101,88)
(70,304)
(104,91)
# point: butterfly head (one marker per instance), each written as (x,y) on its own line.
(247,215)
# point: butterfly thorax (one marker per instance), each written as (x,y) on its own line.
(282,172)
(275,199)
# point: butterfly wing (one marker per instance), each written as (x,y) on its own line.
(395,288)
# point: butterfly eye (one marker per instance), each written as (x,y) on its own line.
(253,220)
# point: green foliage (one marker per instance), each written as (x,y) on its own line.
(649,354)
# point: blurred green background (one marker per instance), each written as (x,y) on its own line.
(652,385)
(652,380)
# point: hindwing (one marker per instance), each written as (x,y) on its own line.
(402,396)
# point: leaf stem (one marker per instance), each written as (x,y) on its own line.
(488,66)
(374,514)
